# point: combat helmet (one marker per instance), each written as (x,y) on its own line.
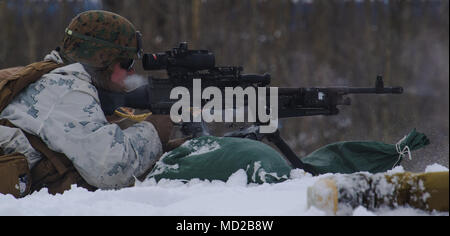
(98,38)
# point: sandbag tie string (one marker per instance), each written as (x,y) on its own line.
(402,152)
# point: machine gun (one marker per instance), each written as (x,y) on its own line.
(184,65)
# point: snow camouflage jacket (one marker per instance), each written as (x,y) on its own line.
(63,109)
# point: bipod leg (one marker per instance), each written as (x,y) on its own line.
(295,161)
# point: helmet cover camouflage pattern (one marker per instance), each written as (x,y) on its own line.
(99,38)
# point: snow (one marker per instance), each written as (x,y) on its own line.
(176,198)
(362,211)
(201,147)
(435,168)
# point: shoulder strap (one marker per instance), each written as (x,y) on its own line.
(14,80)
(5,74)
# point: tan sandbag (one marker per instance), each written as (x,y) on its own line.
(340,194)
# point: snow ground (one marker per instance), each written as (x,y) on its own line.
(175,198)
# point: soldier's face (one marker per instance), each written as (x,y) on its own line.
(119,75)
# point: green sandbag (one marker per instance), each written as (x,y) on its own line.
(217,158)
(373,157)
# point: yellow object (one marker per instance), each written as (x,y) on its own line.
(129,114)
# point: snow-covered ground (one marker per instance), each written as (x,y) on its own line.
(175,198)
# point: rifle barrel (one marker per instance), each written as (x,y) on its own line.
(261,80)
(392,90)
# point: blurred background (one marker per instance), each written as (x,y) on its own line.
(301,43)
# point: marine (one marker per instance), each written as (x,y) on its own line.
(56,123)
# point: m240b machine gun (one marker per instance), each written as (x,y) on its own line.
(184,65)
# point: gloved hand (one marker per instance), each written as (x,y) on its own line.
(170,145)
(163,125)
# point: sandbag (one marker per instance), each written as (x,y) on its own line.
(217,158)
(355,156)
